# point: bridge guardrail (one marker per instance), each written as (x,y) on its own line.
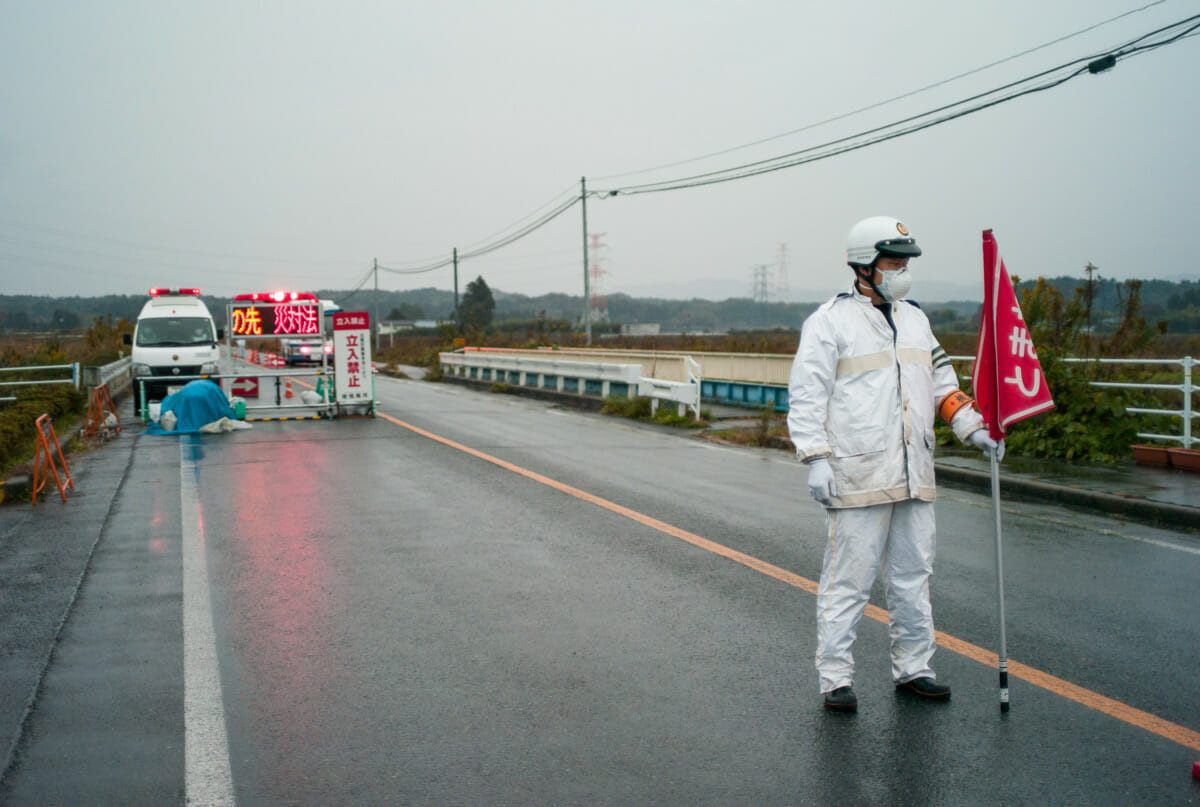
(582,375)
(737,379)
(107,373)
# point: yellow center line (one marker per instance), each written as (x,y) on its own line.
(1093,700)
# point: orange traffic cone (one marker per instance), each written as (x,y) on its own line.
(288,394)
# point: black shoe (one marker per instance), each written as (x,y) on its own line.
(841,700)
(925,688)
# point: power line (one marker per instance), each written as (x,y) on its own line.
(570,189)
(495,245)
(430,264)
(55,231)
(885,102)
(357,288)
(859,140)
(879,134)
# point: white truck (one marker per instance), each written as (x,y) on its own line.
(175,336)
(305,350)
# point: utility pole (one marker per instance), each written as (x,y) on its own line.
(587,295)
(456,320)
(1091,293)
(376,316)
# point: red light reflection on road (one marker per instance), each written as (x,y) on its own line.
(281,618)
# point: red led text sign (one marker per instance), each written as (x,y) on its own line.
(272,319)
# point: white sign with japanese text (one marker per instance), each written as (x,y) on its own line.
(354,383)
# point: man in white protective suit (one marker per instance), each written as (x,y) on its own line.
(866,382)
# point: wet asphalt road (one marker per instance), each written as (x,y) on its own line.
(397,621)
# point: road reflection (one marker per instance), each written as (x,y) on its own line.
(281,617)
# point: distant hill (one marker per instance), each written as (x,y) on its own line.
(1175,301)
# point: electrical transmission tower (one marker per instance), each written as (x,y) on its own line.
(596,272)
(783,292)
(762,283)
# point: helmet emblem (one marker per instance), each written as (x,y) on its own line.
(900,228)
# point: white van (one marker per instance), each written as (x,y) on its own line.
(175,336)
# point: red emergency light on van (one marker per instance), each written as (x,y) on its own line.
(157,292)
(277,296)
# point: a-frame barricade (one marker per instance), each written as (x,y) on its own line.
(100,406)
(45,455)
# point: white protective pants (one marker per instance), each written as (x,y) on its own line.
(900,534)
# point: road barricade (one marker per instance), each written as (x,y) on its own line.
(102,418)
(45,455)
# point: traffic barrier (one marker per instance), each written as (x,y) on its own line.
(45,433)
(100,409)
(290,417)
(244,387)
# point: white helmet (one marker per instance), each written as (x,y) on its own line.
(879,235)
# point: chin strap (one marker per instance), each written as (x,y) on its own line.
(867,273)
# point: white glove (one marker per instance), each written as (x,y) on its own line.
(984,442)
(820,481)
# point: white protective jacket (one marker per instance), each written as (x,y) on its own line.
(865,398)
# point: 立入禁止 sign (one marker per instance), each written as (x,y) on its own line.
(354,383)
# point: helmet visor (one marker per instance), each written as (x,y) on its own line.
(901,247)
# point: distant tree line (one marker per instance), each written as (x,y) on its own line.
(1175,304)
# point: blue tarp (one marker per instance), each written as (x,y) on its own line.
(199,403)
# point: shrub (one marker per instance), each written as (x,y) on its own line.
(18,419)
(633,408)
(1087,424)
(639,409)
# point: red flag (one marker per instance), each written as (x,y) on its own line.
(1008,380)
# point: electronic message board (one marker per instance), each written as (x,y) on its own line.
(275,314)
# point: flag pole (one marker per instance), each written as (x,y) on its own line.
(1003,656)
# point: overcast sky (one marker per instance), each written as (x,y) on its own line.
(256,146)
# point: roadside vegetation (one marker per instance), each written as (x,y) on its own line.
(98,344)
(1088,424)
(640,409)
(769,431)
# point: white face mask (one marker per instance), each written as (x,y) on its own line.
(895,284)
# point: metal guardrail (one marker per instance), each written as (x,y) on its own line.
(74,379)
(577,374)
(115,369)
(1186,412)
(106,374)
(738,379)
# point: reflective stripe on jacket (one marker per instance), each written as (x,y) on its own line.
(865,398)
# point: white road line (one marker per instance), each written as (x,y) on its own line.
(207,774)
